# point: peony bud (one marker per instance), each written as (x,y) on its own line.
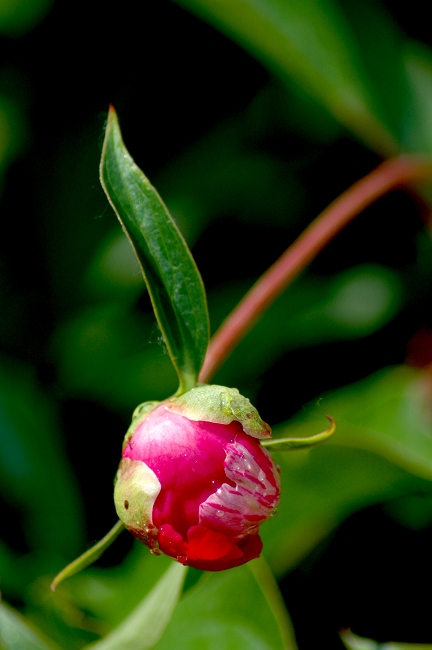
(194,482)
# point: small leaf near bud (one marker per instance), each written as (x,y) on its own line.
(295,444)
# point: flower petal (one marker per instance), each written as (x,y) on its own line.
(239,511)
(205,544)
(170,542)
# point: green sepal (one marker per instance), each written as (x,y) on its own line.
(138,416)
(135,491)
(173,280)
(295,444)
(89,556)
(222,405)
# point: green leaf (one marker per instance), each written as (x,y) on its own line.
(90,556)
(354,642)
(382,450)
(219,404)
(320,489)
(311,42)
(144,627)
(387,413)
(412,510)
(230,610)
(18,634)
(418,106)
(380,44)
(173,281)
(292,444)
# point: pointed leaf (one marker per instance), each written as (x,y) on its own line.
(172,278)
(144,627)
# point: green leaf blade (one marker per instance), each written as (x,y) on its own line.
(16,633)
(385,413)
(142,629)
(173,280)
(231,610)
(311,43)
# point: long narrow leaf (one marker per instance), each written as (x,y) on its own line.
(144,627)
(173,281)
(18,634)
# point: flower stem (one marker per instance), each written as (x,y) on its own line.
(388,176)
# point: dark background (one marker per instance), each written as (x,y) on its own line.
(175,80)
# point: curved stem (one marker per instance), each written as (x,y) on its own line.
(388,176)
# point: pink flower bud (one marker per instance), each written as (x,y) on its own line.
(194,489)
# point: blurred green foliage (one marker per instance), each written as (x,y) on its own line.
(206,616)
(18,16)
(15,633)
(354,642)
(246,156)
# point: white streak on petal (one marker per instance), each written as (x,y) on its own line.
(239,511)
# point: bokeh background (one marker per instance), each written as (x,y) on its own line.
(248,124)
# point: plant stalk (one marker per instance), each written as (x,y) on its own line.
(389,175)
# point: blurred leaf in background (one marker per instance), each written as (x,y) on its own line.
(18,16)
(383,423)
(35,479)
(147,623)
(354,642)
(313,42)
(12,129)
(17,634)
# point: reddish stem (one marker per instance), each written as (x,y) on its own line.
(389,175)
